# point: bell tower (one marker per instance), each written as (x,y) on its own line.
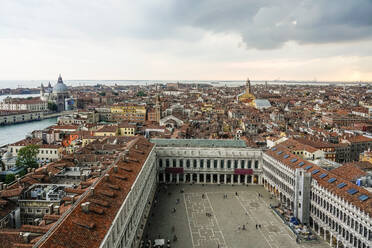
(248,87)
(158,109)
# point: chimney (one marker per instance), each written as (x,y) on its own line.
(116,169)
(50,174)
(56,210)
(25,237)
(91,191)
(107,177)
(136,146)
(85,207)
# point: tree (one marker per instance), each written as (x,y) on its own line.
(141,93)
(52,106)
(27,156)
(9,178)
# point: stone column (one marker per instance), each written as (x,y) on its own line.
(178,178)
(191,175)
(238,179)
(225,177)
(205,177)
(245,179)
(218,164)
(184,177)
(171,178)
(218,178)
(198,178)
(164,177)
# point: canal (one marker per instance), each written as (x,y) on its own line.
(12,133)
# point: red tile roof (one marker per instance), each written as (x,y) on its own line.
(80,229)
(349,172)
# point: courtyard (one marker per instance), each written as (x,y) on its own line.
(213,216)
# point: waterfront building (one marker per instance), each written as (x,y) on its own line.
(12,117)
(22,104)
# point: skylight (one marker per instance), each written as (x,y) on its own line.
(294,160)
(280,152)
(315,171)
(331,180)
(301,164)
(286,156)
(341,185)
(323,175)
(274,149)
(363,197)
(308,167)
(352,191)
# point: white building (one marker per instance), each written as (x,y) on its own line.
(11,117)
(338,210)
(19,104)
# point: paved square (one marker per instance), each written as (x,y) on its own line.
(204,218)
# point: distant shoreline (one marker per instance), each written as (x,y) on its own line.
(34,84)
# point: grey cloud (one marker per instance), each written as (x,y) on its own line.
(262,24)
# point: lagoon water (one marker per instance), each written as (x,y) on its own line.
(229,83)
(12,133)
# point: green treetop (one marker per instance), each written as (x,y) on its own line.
(27,156)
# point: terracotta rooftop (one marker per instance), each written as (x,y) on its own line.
(107,128)
(294,145)
(349,172)
(359,138)
(80,229)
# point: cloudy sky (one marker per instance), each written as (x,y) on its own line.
(186,39)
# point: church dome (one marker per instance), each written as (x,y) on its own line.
(7,156)
(60,87)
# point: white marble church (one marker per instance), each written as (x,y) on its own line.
(58,94)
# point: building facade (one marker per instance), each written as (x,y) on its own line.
(338,210)
(12,117)
(21,104)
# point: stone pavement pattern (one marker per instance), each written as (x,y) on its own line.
(223,228)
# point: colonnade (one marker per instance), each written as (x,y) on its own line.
(212,178)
